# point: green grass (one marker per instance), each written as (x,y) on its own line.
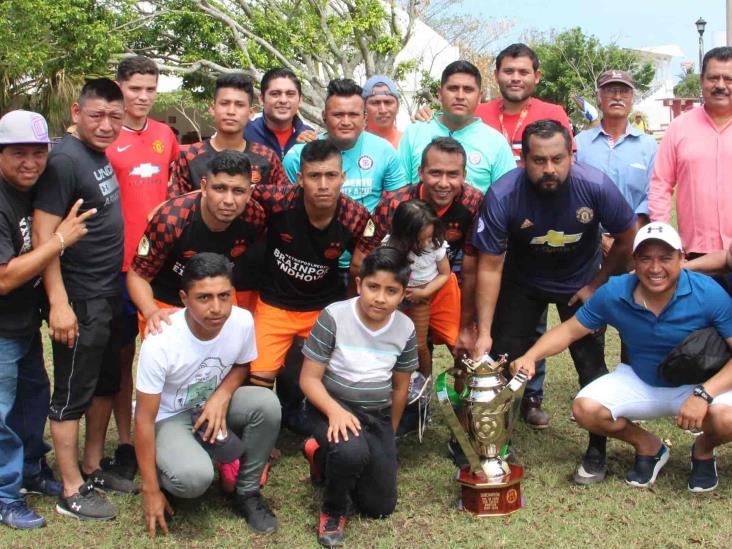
(558,513)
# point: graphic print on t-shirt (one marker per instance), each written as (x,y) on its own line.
(201,384)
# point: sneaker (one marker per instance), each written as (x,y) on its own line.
(533,415)
(417,386)
(703,477)
(646,468)
(43,484)
(331,530)
(110,481)
(593,468)
(456,454)
(86,504)
(308,450)
(124,462)
(259,518)
(227,476)
(18,515)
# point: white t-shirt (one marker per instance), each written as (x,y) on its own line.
(423,267)
(184,370)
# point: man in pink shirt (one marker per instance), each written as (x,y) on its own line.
(696,157)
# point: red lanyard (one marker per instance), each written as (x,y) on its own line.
(522,117)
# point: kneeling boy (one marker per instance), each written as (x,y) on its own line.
(201,361)
(358,361)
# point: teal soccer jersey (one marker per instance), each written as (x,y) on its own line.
(488,153)
(372,166)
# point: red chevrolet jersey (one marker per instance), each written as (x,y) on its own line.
(141,160)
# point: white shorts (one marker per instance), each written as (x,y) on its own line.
(626,395)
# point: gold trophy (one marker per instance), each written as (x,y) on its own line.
(490,406)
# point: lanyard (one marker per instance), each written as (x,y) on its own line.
(519,124)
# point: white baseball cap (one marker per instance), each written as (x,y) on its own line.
(23,127)
(658,231)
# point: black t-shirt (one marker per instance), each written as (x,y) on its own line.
(19,308)
(177,232)
(91,268)
(302,260)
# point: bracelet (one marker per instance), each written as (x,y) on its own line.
(61,240)
(700,391)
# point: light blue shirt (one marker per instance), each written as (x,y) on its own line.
(629,163)
(488,153)
(372,166)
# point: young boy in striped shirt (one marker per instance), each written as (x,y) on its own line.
(358,361)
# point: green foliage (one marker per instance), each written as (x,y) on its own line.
(689,86)
(48,47)
(571,61)
(317,39)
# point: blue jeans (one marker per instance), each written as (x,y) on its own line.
(24,398)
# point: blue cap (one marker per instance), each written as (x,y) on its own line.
(380,80)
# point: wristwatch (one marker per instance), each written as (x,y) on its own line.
(701,392)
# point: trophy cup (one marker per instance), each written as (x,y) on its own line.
(490,405)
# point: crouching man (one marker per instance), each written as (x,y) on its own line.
(198,365)
(653,310)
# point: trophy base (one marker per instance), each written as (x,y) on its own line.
(491,499)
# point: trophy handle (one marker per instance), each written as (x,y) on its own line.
(443,398)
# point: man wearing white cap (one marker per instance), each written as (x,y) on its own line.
(654,310)
(24,387)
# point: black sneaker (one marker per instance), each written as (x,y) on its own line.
(703,477)
(259,518)
(593,468)
(86,504)
(331,530)
(109,481)
(124,462)
(43,484)
(456,454)
(646,468)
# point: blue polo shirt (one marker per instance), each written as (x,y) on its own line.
(551,240)
(629,163)
(699,302)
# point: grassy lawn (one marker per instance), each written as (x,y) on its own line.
(558,514)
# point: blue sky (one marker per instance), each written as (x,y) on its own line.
(629,23)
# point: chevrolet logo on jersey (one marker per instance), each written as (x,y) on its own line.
(556,239)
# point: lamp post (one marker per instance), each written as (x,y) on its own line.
(700,25)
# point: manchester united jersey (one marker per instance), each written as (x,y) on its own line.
(302,260)
(177,232)
(192,165)
(141,161)
(458,218)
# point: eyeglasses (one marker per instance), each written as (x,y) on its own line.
(624,91)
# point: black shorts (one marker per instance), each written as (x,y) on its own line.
(130,323)
(91,367)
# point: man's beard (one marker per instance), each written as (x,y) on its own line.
(546,179)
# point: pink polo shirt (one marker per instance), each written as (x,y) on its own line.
(696,157)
